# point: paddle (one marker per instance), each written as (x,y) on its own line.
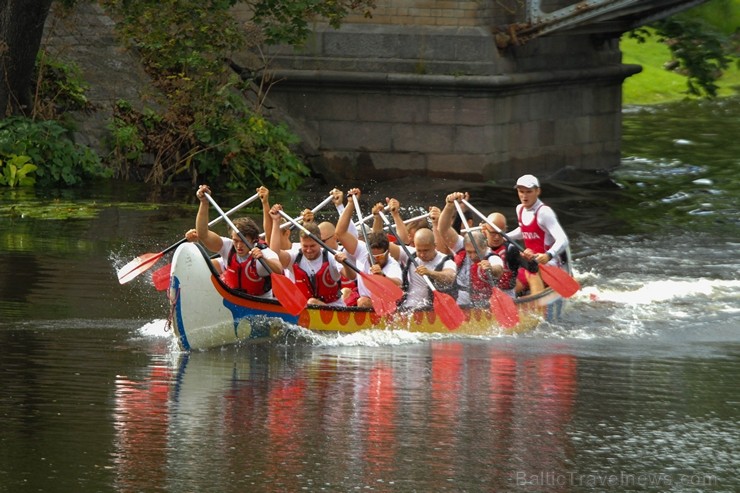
(445,305)
(556,278)
(391,236)
(287,293)
(161,276)
(361,222)
(144,262)
(384,293)
(502,305)
(362,226)
(300,218)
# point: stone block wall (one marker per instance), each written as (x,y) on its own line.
(480,129)
(449,13)
(421,89)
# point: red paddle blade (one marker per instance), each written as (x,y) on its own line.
(382,307)
(448,310)
(288,294)
(161,277)
(504,309)
(559,280)
(137,266)
(383,293)
(383,287)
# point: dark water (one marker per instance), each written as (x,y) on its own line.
(635,390)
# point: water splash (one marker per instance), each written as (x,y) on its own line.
(365,338)
(659,291)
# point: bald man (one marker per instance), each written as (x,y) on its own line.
(438,267)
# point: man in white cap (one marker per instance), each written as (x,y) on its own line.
(544,238)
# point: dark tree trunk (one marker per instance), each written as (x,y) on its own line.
(21,29)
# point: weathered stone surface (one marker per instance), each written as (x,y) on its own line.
(86,36)
(412,92)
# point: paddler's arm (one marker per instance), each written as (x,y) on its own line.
(264,195)
(444,225)
(377,221)
(444,277)
(344,236)
(434,214)
(212,241)
(345,271)
(276,239)
(273,262)
(403,235)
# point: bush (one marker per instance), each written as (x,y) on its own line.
(60,87)
(17,171)
(213,127)
(59,161)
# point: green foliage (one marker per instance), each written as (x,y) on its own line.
(180,37)
(701,42)
(60,87)
(126,143)
(212,127)
(722,15)
(287,21)
(58,160)
(17,171)
(698,51)
(244,145)
(252,150)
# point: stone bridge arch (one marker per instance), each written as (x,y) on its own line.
(468,89)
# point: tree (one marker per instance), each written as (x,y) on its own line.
(21,28)
(703,42)
(698,51)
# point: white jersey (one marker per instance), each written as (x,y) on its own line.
(548,222)
(418,294)
(361,259)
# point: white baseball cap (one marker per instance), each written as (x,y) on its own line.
(527,181)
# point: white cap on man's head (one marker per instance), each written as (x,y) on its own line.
(527,181)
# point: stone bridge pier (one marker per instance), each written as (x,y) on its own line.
(469,89)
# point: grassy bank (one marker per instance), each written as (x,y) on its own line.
(656,85)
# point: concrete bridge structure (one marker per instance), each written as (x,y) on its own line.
(468,89)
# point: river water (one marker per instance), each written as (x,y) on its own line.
(636,389)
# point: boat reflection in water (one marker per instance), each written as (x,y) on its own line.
(141,422)
(290,418)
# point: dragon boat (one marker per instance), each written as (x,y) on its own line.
(205,313)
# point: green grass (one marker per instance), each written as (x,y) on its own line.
(656,85)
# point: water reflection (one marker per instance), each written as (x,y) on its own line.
(680,166)
(141,423)
(477,415)
(640,376)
